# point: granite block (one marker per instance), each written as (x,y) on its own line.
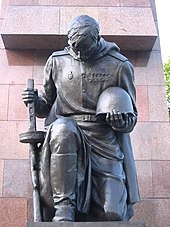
(17,180)
(143,23)
(140,142)
(1,42)
(34,41)
(134,3)
(4,89)
(30,212)
(159,141)
(3,8)
(23,2)
(10,147)
(19,57)
(161,182)
(150,141)
(142,103)
(17,109)
(50,30)
(1,175)
(131,55)
(16,66)
(156,46)
(149,68)
(103,3)
(158,109)
(65,2)
(40,58)
(144,173)
(131,42)
(31,20)
(13,212)
(154,212)
(69,13)
(114,20)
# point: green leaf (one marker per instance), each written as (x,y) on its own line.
(167,81)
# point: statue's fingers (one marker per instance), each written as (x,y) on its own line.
(121,121)
(111,115)
(108,117)
(126,120)
(120,117)
(115,116)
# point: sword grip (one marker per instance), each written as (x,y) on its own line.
(30,84)
(31,107)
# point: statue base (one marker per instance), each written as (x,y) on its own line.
(86,224)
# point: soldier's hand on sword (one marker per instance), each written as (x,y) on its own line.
(29,96)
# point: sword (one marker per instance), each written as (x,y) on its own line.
(33,137)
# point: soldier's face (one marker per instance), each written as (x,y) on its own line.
(84,48)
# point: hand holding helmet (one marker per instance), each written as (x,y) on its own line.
(117,119)
(116,106)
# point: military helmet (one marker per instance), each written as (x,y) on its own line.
(114,98)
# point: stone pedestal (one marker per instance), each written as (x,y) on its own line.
(86,224)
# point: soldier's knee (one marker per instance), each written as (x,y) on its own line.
(64,136)
(62,126)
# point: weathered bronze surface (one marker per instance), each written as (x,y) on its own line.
(86,165)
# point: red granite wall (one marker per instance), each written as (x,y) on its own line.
(150,137)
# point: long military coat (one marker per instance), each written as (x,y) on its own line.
(72,87)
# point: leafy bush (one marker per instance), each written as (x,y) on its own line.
(167,80)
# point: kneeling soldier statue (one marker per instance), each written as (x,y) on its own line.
(88,99)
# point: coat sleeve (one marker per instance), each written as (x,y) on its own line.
(126,81)
(48,95)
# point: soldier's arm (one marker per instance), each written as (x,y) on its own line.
(47,96)
(126,81)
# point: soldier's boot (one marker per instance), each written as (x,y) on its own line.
(63,183)
(64,212)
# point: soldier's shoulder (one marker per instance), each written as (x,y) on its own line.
(117,55)
(59,53)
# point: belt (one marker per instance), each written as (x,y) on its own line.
(84,117)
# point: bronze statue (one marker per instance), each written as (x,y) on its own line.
(88,99)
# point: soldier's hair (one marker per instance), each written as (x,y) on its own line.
(83,25)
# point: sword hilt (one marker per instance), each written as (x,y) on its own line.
(31,107)
(31,136)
